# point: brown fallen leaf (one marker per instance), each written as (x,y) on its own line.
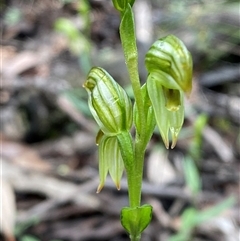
(17,63)
(22,155)
(8,210)
(21,62)
(159,169)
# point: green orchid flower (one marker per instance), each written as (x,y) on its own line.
(112,109)
(169,57)
(108,102)
(169,65)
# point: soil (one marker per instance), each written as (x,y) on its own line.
(49,157)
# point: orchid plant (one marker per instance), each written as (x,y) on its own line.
(159,101)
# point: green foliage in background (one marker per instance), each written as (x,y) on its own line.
(196,143)
(78,98)
(33,238)
(12,16)
(192,217)
(79,44)
(203,22)
(21,228)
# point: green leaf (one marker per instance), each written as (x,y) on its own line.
(188,222)
(189,218)
(192,217)
(136,219)
(195,147)
(29,238)
(12,16)
(192,176)
(215,210)
(128,39)
(179,237)
(22,227)
(77,41)
(77,97)
(66,27)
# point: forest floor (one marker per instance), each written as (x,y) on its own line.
(49,167)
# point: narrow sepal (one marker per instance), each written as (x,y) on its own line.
(156,95)
(110,159)
(166,120)
(103,165)
(116,165)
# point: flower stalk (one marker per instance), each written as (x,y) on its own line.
(158,102)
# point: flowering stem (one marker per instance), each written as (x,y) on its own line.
(139,159)
(135,238)
(159,101)
(133,161)
(128,39)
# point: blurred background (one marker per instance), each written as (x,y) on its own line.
(49,167)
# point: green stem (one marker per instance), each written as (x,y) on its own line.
(128,39)
(133,161)
(135,238)
(134,177)
(127,151)
(139,161)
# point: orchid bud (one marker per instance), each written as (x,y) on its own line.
(108,102)
(169,56)
(110,160)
